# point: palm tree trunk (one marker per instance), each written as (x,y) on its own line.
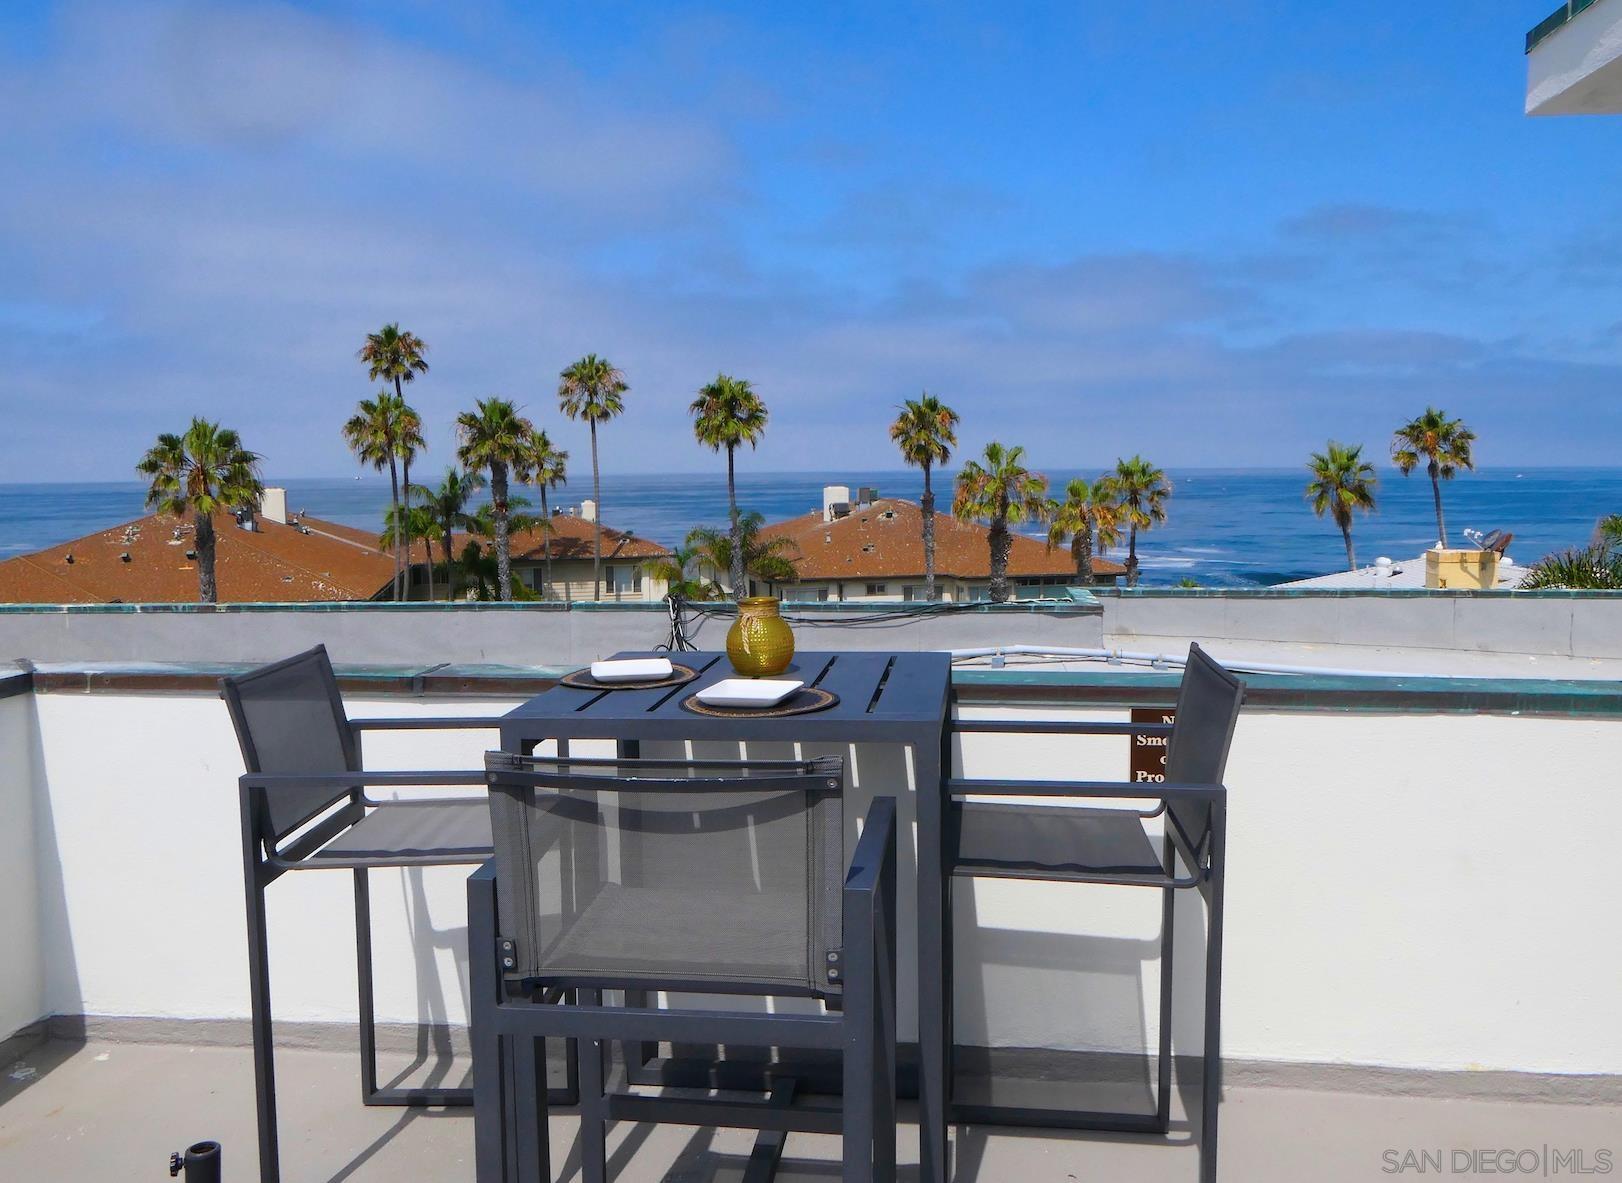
(1132,557)
(1081,550)
(928,507)
(1436,494)
(546,543)
(1346,533)
(403,562)
(1000,543)
(405,526)
(450,567)
(737,574)
(207,590)
(428,554)
(596,521)
(394,505)
(498,502)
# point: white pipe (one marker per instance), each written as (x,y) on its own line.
(1161,659)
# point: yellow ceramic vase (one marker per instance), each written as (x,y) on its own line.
(759,643)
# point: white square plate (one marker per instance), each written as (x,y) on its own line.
(635,669)
(748,692)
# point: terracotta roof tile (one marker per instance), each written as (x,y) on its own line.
(570,538)
(885,541)
(275,563)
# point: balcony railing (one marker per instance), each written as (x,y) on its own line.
(1555,20)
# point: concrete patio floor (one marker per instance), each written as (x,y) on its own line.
(96,1112)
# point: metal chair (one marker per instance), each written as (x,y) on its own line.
(1111,845)
(712,877)
(304,807)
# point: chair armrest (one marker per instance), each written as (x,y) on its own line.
(428,723)
(348,780)
(1054,727)
(1149,790)
(875,850)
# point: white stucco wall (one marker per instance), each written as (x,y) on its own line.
(22,998)
(1413,891)
(1577,70)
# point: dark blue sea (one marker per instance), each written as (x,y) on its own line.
(1225,527)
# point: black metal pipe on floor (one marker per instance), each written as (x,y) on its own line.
(201,1163)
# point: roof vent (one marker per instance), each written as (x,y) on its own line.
(69,558)
(887,515)
(191,554)
(867,548)
(124,557)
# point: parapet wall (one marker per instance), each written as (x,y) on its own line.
(1555,624)
(527,635)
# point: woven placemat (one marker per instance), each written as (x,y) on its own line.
(680,675)
(802,702)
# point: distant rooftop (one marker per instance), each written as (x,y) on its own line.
(153,560)
(883,538)
(1407,573)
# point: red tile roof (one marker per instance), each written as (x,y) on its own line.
(885,541)
(570,537)
(275,563)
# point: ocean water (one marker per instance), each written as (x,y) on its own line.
(1225,527)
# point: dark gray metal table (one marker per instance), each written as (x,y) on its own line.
(884,698)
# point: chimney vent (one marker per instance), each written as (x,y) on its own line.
(835,501)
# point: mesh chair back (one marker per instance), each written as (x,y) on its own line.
(1208,705)
(704,875)
(289,720)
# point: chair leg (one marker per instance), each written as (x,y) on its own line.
(930,764)
(1168,930)
(264,1068)
(884,1035)
(493,1123)
(363,978)
(861,1063)
(1211,1083)
(593,1103)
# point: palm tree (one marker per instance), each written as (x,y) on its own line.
(548,468)
(1443,444)
(404,525)
(1342,481)
(201,471)
(495,436)
(591,389)
(926,433)
(375,433)
(1140,491)
(1088,508)
(741,547)
(396,356)
(447,507)
(681,574)
(999,489)
(408,442)
(726,413)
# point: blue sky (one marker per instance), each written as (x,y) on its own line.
(1215,234)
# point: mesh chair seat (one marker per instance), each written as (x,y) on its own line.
(1049,842)
(458,831)
(646,934)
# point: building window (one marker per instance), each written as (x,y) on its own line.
(804,594)
(913,591)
